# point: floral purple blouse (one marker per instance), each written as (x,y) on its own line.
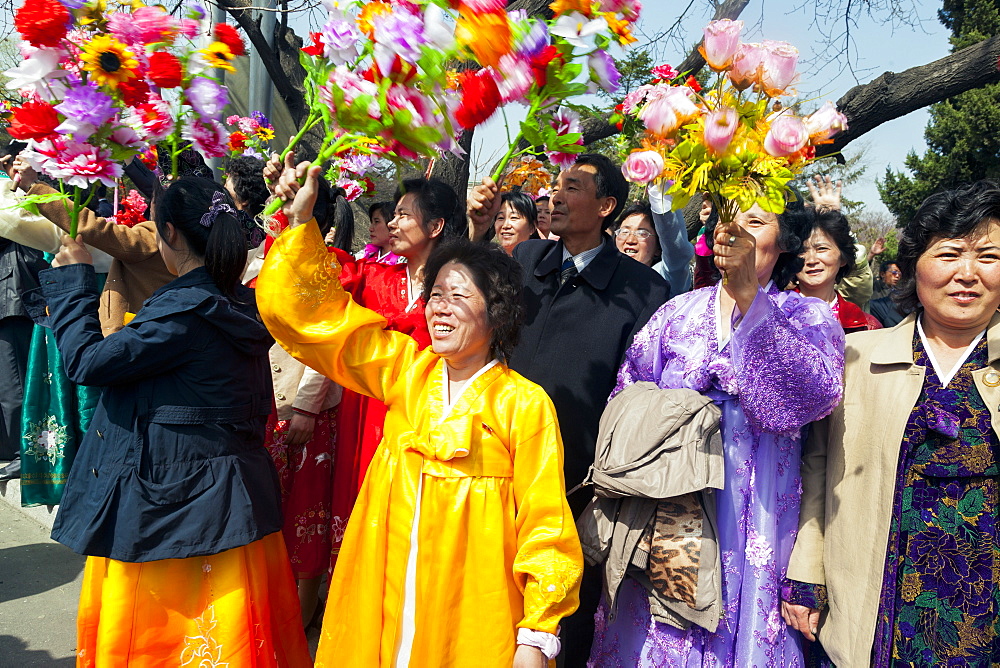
(781,369)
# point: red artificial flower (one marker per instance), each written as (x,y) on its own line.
(619,116)
(42,22)
(693,84)
(150,157)
(540,64)
(369,186)
(134,92)
(227,34)
(237,141)
(480,98)
(165,70)
(33,120)
(316,48)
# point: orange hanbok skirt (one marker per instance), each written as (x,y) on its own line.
(236,608)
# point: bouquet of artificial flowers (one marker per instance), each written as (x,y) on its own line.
(734,141)
(381,76)
(101,86)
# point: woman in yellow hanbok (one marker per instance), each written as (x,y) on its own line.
(461,549)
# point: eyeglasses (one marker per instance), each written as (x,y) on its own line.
(641,235)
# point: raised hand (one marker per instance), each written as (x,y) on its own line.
(825,193)
(483,206)
(297,187)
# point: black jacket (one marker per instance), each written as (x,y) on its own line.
(173,464)
(19,267)
(575,336)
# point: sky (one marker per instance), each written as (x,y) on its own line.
(878,47)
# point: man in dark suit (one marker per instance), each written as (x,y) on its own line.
(584,301)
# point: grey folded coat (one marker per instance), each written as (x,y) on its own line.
(655,444)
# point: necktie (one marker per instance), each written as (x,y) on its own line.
(567,271)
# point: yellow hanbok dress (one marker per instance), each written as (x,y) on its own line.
(496,547)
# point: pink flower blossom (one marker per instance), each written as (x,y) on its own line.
(484,6)
(670,110)
(630,9)
(400,98)
(825,122)
(232,120)
(745,71)
(635,98)
(778,67)
(720,128)
(664,72)
(154,25)
(74,163)
(401,32)
(189,28)
(516,79)
(126,136)
(786,136)
(208,138)
(352,86)
(642,166)
(248,125)
(722,39)
(352,190)
(565,121)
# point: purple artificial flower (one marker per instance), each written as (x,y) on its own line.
(603,70)
(340,39)
(402,32)
(85,108)
(534,40)
(73,4)
(259,117)
(207,97)
(357,163)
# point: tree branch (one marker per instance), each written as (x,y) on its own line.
(893,95)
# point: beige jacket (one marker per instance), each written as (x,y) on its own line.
(848,478)
(137,270)
(36,231)
(295,384)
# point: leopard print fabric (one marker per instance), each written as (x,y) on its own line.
(675,548)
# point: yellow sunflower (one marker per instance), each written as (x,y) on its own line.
(108,61)
(219,55)
(265,134)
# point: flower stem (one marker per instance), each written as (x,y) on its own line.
(512,150)
(310,123)
(326,151)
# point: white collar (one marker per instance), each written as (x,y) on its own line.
(449,400)
(942,378)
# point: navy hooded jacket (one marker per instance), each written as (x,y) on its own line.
(173,464)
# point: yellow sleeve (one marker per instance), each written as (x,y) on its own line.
(549,561)
(302,303)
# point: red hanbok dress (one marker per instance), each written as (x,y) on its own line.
(384,289)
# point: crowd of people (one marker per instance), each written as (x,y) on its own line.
(566,428)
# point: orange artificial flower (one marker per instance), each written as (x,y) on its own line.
(585,7)
(619,27)
(487,35)
(367,16)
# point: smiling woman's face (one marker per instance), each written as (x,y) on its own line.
(958,280)
(511,227)
(456,318)
(821,261)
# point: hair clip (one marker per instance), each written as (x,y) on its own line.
(218,205)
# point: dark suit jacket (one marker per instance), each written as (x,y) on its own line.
(885,310)
(19,267)
(575,336)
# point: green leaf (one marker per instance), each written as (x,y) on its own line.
(927,599)
(971,505)
(531,134)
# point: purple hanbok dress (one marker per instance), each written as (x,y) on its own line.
(781,369)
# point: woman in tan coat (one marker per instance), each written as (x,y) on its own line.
(897,557)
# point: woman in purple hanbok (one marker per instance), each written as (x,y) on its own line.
(773,361)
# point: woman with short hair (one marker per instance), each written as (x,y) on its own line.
(461,550)
(516,221)
(901,484)
(828,255)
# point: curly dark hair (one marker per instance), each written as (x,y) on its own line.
(498,277)
(836,226)
(952,214)
(793,226)
(248,182)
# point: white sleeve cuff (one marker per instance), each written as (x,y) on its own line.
(548,643)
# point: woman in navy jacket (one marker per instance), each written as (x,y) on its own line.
(173,497)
